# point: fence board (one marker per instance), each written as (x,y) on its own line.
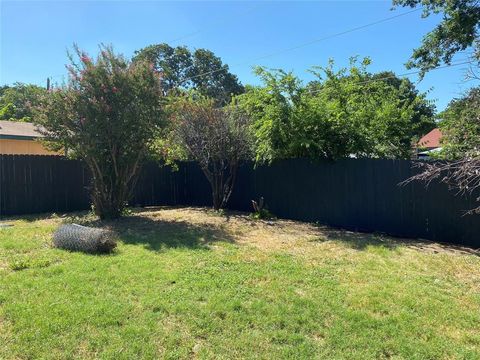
(357,194)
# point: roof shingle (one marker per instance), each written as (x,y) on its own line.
(431,140)
(21,129)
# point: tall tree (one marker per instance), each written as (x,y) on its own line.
(174,63)
(458,30)
(107,115)
(423,109)
(17,102)
(200,70)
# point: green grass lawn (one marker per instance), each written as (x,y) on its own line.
(185,283)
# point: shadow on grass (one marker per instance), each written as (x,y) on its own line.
(138,228)
(359,240)
(44,216)
(159,234)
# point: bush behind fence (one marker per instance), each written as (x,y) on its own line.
(357,194)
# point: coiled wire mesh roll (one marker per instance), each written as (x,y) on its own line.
(82,238)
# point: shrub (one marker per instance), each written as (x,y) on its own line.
(218,139)
(108,115)
(260,210)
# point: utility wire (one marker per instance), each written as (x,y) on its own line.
(221,21)
(393,75)
(336,35)
(306,43)
(401,75)
(209,28)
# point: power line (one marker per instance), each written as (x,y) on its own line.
(391,76)
(400,75)
(336,35)
(221,21)
(209,28)
(307,43)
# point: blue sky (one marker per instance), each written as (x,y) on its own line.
(35,36)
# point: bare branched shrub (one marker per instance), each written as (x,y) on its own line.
(217,138)
(461,175)
(460,126)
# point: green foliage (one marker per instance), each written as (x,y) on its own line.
(458,31)
(423,110)
(18,102)
(200,70)
(260,211)
(460,126)
(272,109)
(263,214)
(7,112)
(3,88)
(342,113)
(108,115)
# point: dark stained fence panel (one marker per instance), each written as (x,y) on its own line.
(35,184)
(357,194)
(360,194)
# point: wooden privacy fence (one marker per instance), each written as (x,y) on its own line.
(34,184)
(357,194)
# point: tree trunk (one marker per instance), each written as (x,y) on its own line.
(216,196)
(108,204)
(109,194)
(222,183)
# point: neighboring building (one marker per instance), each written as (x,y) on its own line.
(21,138)
(429,144)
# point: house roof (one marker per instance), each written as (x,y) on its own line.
(19,130)
(431,140)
